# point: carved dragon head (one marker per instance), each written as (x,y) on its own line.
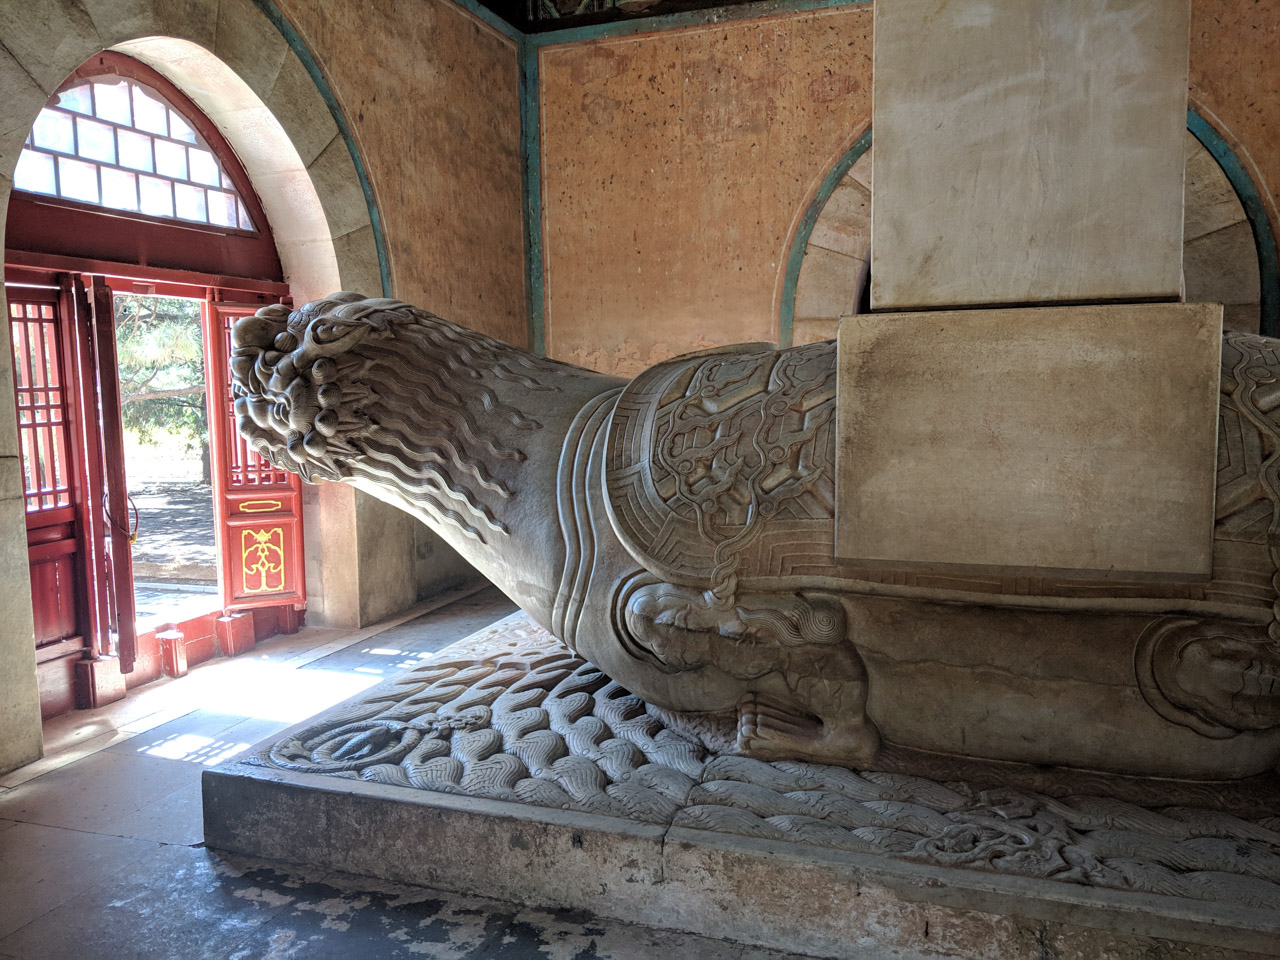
(386,395)
(1216,678)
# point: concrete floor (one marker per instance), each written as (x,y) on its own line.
(101,853)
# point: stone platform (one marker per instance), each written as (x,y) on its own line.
(506,766)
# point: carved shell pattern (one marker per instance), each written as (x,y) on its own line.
(538,725)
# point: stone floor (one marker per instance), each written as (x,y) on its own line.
(175,524)
(101,853)
(158,602)
(174,559)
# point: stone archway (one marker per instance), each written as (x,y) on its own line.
(231,60)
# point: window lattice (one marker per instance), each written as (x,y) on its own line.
(247,467)
(42,419)
(116,143)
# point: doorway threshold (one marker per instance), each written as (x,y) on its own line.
(159,603)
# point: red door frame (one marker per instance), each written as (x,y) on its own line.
(88,342)
(45,393)
(116,508)
(90,493)
(257,507)
(135,253)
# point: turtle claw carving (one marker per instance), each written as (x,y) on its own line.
(768,730)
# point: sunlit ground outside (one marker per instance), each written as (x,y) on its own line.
(249,700)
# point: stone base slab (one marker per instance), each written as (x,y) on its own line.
(507,767)
(777,894)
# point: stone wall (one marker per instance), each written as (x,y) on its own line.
(1235,85)
(676,166)
(432,95)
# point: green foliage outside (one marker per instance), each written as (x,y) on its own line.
(161,357)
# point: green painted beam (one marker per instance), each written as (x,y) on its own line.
(531,162)
(1263,236)
(689,18)
(483,13)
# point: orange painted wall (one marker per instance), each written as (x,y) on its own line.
(1235,84)
(432,95)
(675,165)
(674,168)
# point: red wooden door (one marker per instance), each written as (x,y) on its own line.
(48,471)
(120,519)
(257,507)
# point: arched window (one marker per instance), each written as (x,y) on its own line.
(115,142)
(119,142)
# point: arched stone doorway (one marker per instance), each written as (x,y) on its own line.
(254,86)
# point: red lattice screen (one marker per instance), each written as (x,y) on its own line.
(258,507)
(247,469)
(42,414)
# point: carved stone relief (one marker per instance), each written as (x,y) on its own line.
(676,532)
(520,718)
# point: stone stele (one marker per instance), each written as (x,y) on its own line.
(677,531)
(1012,438)
(1027,151)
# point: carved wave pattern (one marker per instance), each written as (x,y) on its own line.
(520,718)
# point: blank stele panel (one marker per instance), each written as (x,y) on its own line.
(1069,439)
(1027,151)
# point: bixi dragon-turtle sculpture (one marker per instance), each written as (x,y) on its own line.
(677,530)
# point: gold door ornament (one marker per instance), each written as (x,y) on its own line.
(262,560)
(261,506)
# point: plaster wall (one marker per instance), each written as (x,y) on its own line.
(675,166)
(432,96)
(1235,85)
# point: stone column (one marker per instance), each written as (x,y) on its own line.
(367,560)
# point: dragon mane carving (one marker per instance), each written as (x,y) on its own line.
(677,531)
(316,396)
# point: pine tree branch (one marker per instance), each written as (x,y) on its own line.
(160,394)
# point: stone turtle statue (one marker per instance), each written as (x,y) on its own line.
(677,530)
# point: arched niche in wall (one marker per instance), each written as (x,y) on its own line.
(1228,254)
(251,76)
